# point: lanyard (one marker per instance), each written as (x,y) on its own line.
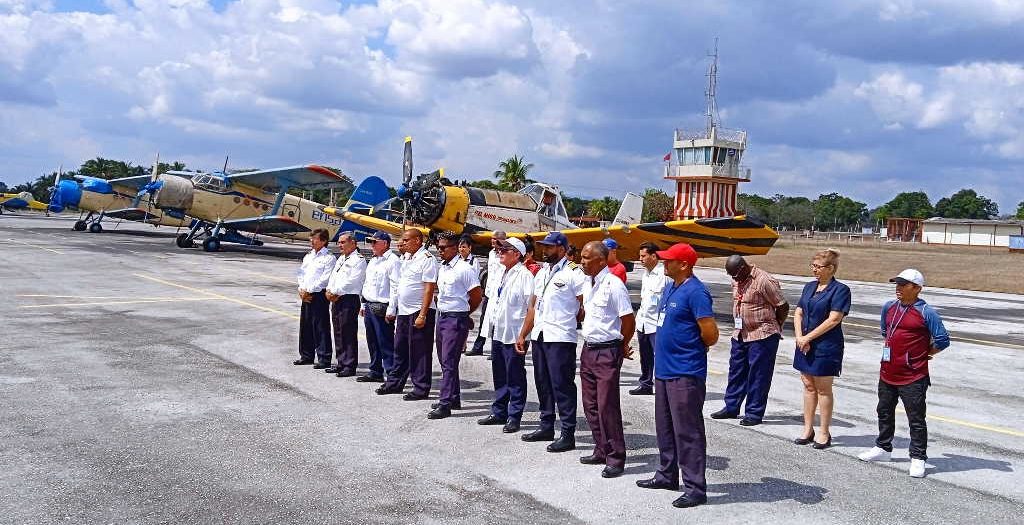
(892,329)
(739,296)
(504,276)
(557,268)
(664,301)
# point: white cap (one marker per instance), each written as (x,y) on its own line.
(909,275)
(515,243)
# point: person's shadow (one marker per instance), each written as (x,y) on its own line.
(769,490)
(958,463)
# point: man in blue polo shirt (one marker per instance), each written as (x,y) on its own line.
(686,332)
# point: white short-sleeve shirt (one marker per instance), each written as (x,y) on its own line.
(315,271)
(416,270)
(507,309)
(348,275)
(651,290)
(604,304)
(381,274)
(556,288)
(455,279)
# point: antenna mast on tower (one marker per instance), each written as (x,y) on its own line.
(712,109)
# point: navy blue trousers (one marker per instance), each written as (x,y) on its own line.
(413,353)
(380,340)
(751,366)
(682,443)
(554,372)
(452,333)
(647,342)
(508,369)
(345,318)
(315,330)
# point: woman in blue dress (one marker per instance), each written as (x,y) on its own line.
(817,322)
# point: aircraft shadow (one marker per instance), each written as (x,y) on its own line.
(799,421)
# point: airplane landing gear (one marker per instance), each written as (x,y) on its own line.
(79,226)
(95,227)
(183,241)
(211,244)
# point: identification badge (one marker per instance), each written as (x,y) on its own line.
(737,323)
(661,318)
(886,354)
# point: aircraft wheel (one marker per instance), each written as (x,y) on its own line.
(95,227)
(183,241)
(79,226)
(211,244)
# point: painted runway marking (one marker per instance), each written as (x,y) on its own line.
(978,426)
(218,296)
(953,338)
(36,246)
(117,303)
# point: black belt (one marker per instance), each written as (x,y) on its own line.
(458,315)
(371,303)
(598,346)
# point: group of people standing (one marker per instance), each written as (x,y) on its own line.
(417,302)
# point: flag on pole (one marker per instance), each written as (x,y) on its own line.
(668,156)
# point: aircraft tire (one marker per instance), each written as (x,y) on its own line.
(183,241)
(79,226)
(211,244)
(95,227)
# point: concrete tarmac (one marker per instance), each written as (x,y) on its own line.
(143,383)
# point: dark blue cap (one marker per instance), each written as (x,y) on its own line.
(381,236)
(555,238)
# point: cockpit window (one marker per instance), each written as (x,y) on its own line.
(207,181)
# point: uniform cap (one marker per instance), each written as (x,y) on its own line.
(679,252)
(555,238)
(381,236)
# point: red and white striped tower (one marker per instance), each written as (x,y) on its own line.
(705,165)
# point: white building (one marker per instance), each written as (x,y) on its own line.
(970,232)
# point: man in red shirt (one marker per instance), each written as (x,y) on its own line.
(913,333)
(615,267)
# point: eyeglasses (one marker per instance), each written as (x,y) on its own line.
(819,266)
(443,247)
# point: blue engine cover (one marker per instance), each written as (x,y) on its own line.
(67,195)
(97,185)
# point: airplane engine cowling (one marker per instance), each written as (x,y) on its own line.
(67,194)
(440,206)
(176,192)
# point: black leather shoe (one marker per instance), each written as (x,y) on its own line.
(611,472)
(686,501)
(412,396)
(320,366)
(301,362)
(804,440)
(346,373)
(383,390)
(822,446)
(492,420)
(454,406)
(474,352)
(654,483)
(370,379)
(564,443)
(592,460)
(642,391)
(440,412)
(511,427)
(750,422)
(724,414)
(330,370)
(539,435)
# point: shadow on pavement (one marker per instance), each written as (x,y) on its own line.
(769,490)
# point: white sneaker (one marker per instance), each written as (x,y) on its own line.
(876,454)
(916,468)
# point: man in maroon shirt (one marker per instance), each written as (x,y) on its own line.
(913,333)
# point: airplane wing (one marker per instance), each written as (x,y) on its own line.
(21,201)
(130,184)
(311,176)
(374,223)
(267,224)
(134,214)
(710,237)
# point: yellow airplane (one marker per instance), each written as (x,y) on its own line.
(19,201)
(433,203)
(227,205)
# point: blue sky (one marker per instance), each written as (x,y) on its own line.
(864,97)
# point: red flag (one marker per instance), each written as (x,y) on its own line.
(668,156)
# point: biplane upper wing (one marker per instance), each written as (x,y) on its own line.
(266,224)
(130,184)
(308,176)
(717,237)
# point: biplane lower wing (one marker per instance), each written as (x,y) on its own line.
(133,214)
(266,224)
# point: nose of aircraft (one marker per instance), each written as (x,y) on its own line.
(67,194)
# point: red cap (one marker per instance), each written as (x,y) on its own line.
(679,252)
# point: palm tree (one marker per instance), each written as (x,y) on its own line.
(605,208)
(512,172)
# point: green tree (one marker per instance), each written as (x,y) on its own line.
(484,184)
(658,206)
(512,173)
(575,206)
(834,211)
(604,208)
(1020,211)
(755,206)
(909,204)
(3,187)
(795,213)
(966,204)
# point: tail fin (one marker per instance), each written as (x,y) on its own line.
(631,210)
(371,191)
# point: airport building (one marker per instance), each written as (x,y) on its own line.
(970,232)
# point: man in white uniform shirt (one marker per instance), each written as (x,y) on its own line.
(381,278)
(458,294)
(551,324)
(494,267)
(411,307)
(507,314)
(343,291)
(315,316)
(608,326)
(651,289)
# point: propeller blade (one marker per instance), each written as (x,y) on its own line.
(224,170)
(156,166)
(407,162)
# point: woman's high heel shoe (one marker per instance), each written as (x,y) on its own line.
(806,440)
(823,446)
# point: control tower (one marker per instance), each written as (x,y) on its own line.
(705,164)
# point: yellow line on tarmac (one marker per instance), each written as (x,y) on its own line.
(115,303)
(36,246)
(978,426)
(219,296)
(952,337)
